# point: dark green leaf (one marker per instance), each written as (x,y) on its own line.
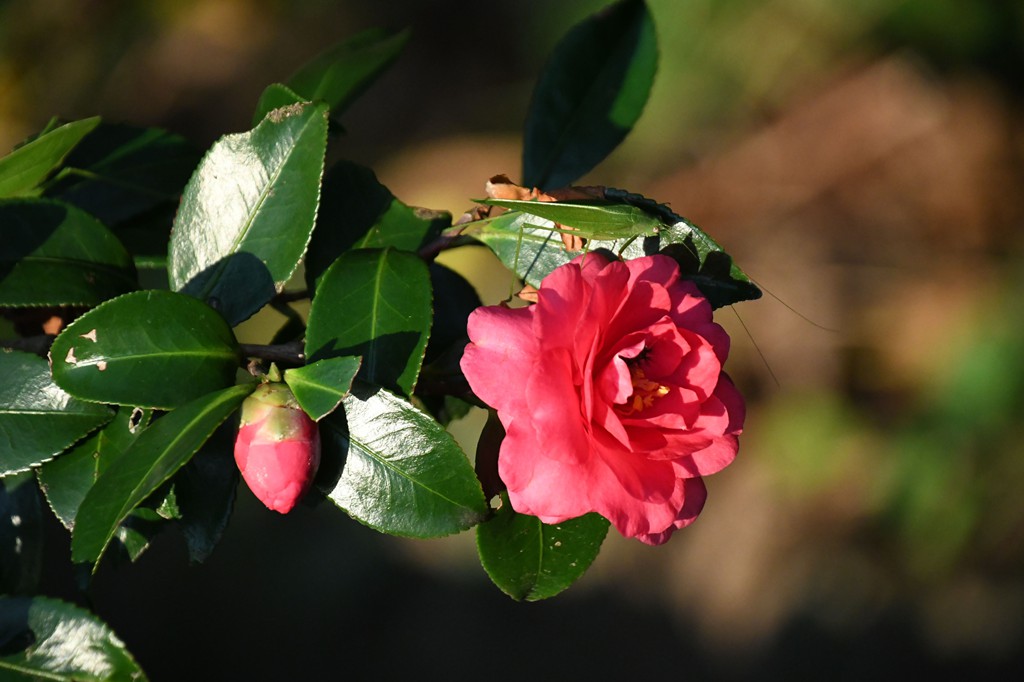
(592,91)
(275,96)
(119,172)
(357,212)
(247,213)
(341,74)
(56,254)
(454,300)
(531,560)
(149,348)
(21,542)
(205,492)
(402,473)
(163,448)
(47,639)
(377,304)
(22,170)
(66,480)
(38,420)
(320,386)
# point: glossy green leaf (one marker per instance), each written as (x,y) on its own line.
(22,170)
(357,212)
(149,348)
(320,386)
(47,639)
(247,213)
(120,171)
(205,489)
(56,254)
(275,96)
(66,480)
(592,91)
(342,73)
(163,448)
(527,242)
(377,304)
(38,420)
(21,542)
(531,560)
(401,473)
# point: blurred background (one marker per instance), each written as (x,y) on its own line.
(861,160)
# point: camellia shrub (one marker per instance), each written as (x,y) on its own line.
(127,403)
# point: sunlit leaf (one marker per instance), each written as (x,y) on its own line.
(401,472)
(22,170)
(376,304)
(174,348)
(47,639)
(247,213)
(38,420)
(319,386)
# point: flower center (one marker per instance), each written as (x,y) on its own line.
(645,391)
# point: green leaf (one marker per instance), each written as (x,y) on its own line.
(56,254)
(592,91)
(377,304)
(119,172)
(247,213)
(205,492)
(22,170)
(320,386)
(163,448)
(21,542)
(42,638)
(531,560)
(402,473)
(148,348)
(275,96)
(342,73)
(66,480)
(38,420)
(528,243)
(357,212)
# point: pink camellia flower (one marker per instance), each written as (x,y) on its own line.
(278,447)
(611,391)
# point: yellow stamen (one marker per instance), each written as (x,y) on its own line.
(645,391)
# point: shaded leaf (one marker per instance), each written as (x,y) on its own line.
(21,542)
(320,386)
(531,560)
(66,480)
(205,492)
(376,304)
(22,170)
(42,638)
(163,448)
(342,73)
(247,213)
(401,473)
(56,254)
(358,212)
(38,420)
(149,348)
(120,171)
(591,92)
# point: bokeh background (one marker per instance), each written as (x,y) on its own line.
(861,159)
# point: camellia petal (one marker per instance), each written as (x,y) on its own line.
(612,393)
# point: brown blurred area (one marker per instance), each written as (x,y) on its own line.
(862,161)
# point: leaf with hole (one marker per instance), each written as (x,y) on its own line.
(174,349)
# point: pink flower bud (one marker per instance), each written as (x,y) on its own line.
(278,447)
